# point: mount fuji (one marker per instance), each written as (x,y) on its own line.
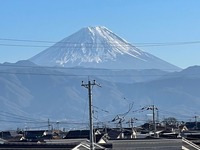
(98,47)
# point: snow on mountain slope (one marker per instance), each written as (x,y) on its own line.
(98,47)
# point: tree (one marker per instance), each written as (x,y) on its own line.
(170,121)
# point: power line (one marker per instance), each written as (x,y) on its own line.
(75,68)
(22,40)
(41,74)
(167,44)
(18,118)
(71,45)
(98,75)
(14,118)
(153,44)
(61,73)
(18,45)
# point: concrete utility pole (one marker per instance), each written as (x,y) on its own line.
(154,121)
(89,87)
(49,125)
(131,121)
(153,108)
(196,126)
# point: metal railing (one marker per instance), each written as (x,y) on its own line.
(190,143)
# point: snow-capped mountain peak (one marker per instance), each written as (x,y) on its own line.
(96,47)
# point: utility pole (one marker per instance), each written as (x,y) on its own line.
(196,126)
(153,108)
(57,123)
(154,121)
(48,125)
(157,114)
(132,121)
(89,87)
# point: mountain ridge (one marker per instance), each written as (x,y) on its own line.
(47,92)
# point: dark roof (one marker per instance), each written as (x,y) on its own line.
(127,132)
(33,134)
(81,134)
(5,135)
(113,134)
(36,135)
(192,125)
(99,137)
(78,134)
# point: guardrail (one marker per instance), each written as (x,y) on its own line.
(190,143)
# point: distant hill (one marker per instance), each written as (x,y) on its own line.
(31,94)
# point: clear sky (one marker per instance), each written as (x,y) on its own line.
(137,21)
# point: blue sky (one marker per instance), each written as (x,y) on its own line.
(137,21)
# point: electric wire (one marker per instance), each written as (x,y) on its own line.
(20,118)
(75,68)
(150,44)
(30,121)
(26,119)
(18,45)
(86,75)
(133,72)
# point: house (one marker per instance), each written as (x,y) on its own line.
(5,135)
(168,135)
(81,134)
(126,133)
(67,144)
(114,134)
(75,144)
(2,141)
(182,128)
(193,125)
(191,135)
(36,135)
(86,146)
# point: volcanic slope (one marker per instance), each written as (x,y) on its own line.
(98,47)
